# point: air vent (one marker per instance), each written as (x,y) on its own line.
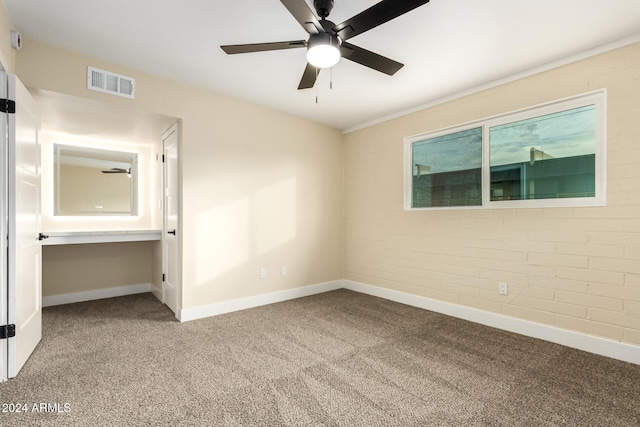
(108,82)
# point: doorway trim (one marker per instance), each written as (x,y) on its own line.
(4,197)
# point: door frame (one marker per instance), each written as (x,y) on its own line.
(4,232)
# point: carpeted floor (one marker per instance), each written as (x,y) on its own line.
(334,359)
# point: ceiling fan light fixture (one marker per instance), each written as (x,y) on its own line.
(323,50)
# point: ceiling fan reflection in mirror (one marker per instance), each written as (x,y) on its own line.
(118,170)
(327,42)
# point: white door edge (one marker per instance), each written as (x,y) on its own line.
(3,227)
(24,266)
(171,286)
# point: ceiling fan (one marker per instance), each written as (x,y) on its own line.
(327,41)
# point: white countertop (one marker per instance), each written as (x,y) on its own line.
(104,236)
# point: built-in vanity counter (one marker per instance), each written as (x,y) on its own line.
(80,237)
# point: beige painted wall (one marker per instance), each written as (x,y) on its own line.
(7,54)
(574,268)
(259,188)
(80,268)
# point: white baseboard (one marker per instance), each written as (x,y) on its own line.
(157,292)
(96,294)
(602,346)
(201,312)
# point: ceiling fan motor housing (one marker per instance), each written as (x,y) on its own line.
(323,7)
(327,39)
(323,50)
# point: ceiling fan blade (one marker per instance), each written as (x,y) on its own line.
(376,15)
(308,77)
(117,170)
(369,59)
(304,15)
(262,47)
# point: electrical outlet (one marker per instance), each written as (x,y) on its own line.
(263,272)
(502,288)
(283,271)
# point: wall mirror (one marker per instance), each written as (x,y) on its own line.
(90,181)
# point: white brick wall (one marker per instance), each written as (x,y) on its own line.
(574,268)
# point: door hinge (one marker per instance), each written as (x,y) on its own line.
(163,158)
(7,331)
(163,277)
(7,105)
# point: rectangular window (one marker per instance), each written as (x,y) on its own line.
(550,155)
(546,157)
(447,170)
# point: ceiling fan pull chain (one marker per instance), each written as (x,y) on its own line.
(317,72)
(330,78)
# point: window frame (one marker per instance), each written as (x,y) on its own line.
(597,98)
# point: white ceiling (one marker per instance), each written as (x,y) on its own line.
(448,46)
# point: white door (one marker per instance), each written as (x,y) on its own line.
(170,235)
(24,265)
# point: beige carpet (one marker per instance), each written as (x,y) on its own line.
(335,359)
